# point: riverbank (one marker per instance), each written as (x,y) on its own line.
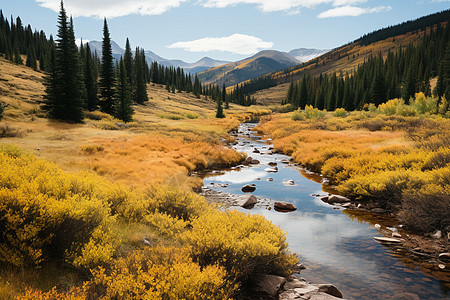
(399,164)
(325,235)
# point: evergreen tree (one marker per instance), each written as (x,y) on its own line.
(64,80)
(140,95)
(303,96)
(219,112)
(1,111)
(123,109)
(224,97)
(128,62)
(17,58)
(90,81)
(107,75)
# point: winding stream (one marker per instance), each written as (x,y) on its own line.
(335,244)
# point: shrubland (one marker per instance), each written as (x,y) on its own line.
(395,155)
(76,220)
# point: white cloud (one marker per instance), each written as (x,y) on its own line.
(351,11)
(78,42)
(111,8)
(235,43)
(290,6)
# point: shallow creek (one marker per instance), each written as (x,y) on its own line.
(335,244)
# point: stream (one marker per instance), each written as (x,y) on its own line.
(335,244)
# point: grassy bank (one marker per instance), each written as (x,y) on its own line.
(396,158)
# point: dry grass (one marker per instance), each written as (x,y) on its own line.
(151,149)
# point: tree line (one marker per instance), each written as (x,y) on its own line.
(399,74)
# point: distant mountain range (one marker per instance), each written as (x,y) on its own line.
(199,66)
(219,71)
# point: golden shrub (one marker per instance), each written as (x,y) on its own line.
(246,245)
(159,273)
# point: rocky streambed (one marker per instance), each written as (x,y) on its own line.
(333,236)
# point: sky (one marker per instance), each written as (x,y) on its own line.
(223,29)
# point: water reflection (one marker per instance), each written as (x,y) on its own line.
(336,245)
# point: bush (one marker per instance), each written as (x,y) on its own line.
(298,116)
(313,113)
(9,131)
(246,245)
(11,150)
(427,209)
(46,214)
(159,273)
(340,113)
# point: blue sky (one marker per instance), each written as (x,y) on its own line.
(223,29)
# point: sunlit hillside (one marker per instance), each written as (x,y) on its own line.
(156,147)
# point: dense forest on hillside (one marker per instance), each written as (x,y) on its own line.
(399,75)
(425,56)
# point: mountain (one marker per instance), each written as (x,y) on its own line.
(347,58)
(199,66)
(266,61)
(304,54)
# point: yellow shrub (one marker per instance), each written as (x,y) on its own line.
(245,245)
(159,273)
(46,214)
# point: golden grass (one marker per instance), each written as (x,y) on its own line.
(151,149)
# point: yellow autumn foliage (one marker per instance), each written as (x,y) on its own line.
(246,245)
(47,214)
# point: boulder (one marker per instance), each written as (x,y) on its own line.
(396,235)
(437,235)
(290,182)
(330,290)
(271,170)
(272,164)
(256,151)
(254,162)
(249,201)
(378,210)
(248,188)
(290,285)
(337,199)
(284,206)
(269,179)
(269,285)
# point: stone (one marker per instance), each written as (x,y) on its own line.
(324,199)
(396,235)
(291,182)
(387,240)
(248,188)
(306,290)
(298,267)
(256,151)
(330,290)
(444,256)
(254,162)
(377,226)
(338,199)
(146,241)
(272,164)
(271,170)
(290,285)
(270,285)
(378,210)
(437,235)
(269,179)
(283,205)
(249,201)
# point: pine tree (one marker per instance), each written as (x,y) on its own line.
(128,62)
(123,109)
(64,81)
(107,75)
(90,81)
(140,94)
(303,95)
(219,112)
(224,97)
(17,58)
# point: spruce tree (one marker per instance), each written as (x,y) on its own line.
(128,62)
(123,109)
(1,111)
(303,95)
(107,74)
(64,80)
(140,94)
(90,81)
(219,112)
(17,58)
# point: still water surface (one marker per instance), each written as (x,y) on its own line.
(335,245)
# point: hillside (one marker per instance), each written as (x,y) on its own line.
(179,117)
(345,59)
(263,62)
